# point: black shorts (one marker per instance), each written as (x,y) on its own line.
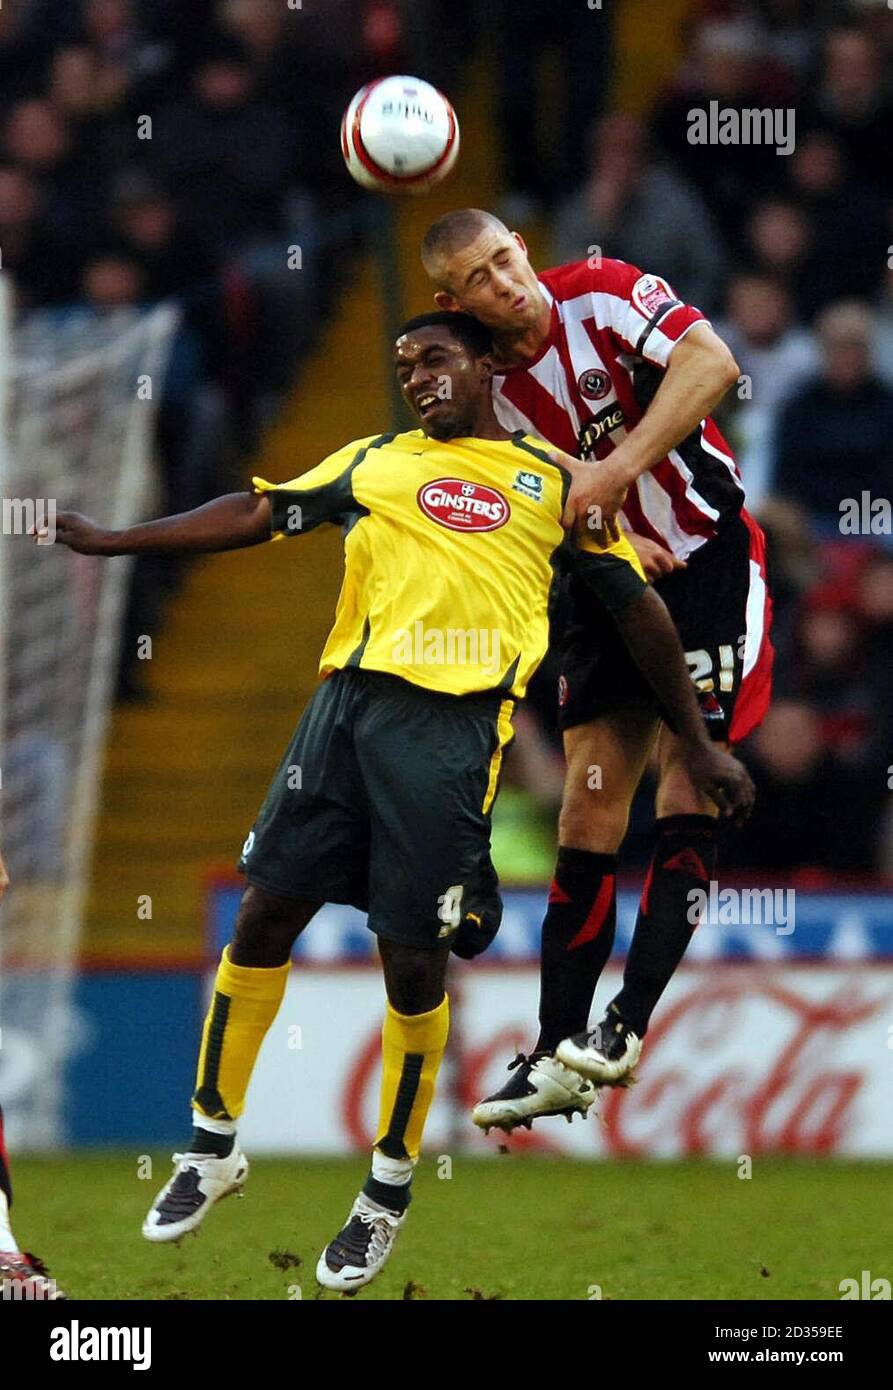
(721,607)
(382,800)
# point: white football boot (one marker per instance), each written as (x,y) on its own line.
(361,1247)
(541,1086)
(198,1181)
(606,1055)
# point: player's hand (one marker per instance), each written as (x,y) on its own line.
(656,560)
(597,491)
(4,878)
(80,534)
(719,775)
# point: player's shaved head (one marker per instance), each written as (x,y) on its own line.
(453,232)
(479,267)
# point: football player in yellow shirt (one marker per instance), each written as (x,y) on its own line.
(450,532)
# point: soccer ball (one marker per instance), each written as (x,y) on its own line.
(399,135)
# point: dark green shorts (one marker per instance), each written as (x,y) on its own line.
(383,801)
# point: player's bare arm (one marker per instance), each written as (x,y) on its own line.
(231,522)
(4,878)
(700,371)
(650,634)
(648,630)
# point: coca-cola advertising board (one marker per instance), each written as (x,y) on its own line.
(741,1058)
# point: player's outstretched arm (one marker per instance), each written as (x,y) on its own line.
(228,523)
(700,372)
(649,633)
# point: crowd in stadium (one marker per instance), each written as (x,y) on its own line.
(789,254)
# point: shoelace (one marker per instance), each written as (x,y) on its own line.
(381,1226)
(186,1161)
(523,1058)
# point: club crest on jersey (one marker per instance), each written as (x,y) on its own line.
(463,506)
(651,293)
(594,384)
(530,484)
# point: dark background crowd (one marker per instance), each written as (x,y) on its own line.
(790,255)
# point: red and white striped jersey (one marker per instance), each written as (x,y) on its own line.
(612,331)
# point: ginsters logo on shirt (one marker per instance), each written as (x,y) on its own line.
(461,506)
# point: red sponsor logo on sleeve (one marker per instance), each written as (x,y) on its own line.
(651,293)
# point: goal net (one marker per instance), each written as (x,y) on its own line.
(78,397)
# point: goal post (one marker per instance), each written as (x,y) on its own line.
(79,394)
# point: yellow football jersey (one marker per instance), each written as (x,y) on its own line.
(448,551)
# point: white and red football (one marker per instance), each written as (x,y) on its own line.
(399,135)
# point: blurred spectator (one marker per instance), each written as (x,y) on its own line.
(126,56)
(788,34)
(780,242)
(803,790)
(174,260)
(774,354)
(582,37)
(794,563)
(637,209)
(226,152)
(825,667)
(42,266)
(111,280)
(848,216)
(728,68)
(834,433)
(853,102)
(37,137)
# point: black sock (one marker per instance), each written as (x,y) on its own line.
(578,933)
(684,860)
(205,1141)
(388,1194)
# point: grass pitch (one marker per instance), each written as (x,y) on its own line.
(514,1227)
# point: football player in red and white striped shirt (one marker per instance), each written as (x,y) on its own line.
(609,365)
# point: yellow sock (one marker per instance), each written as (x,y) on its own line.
(246,1000)
(412,1047)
